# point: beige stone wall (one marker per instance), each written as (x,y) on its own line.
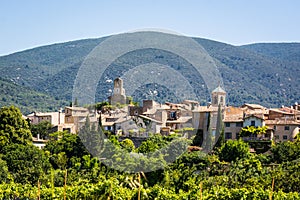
(233,129)
(281,134)
(118,98)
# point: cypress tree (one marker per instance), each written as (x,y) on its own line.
(220,139)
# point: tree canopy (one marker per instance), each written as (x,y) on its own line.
(13,128)
(26,163)
(43,129)
(65,168)
(253,131)
(233,150)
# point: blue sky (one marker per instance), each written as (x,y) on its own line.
(31,23)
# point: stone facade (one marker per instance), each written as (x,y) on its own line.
(233,122)
(218,96)
(118,93)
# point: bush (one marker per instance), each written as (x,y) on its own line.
(233,150)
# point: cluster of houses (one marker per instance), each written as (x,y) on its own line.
(153,117)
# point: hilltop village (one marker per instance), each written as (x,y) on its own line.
(129,120)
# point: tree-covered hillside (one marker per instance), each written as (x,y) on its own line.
(265,74)
(26,99)
(282,51)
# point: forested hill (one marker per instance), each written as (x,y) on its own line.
(283,51)
(27,99)
(267,74)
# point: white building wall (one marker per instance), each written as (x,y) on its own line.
(258,121)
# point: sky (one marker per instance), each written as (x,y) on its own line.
(26,24)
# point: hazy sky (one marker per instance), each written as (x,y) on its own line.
(29,23)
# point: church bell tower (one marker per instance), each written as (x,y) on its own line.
(218,96)
(118,93)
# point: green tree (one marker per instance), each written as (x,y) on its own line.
(220,138)
(27,163)
(4,173)
(148,146)
(92,137)
(152,144)
(68,143)
(287,176)
(234,150)
(251,131)
(245,171)
(101,106)
(198,139)
(128,145)
(61,160)
(297,138)
(43,129)
(285,151)
(13,128)
(208,142)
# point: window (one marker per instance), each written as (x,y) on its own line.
(274,127)
(227,124)
(252,123)
(215,100)
(277,137)
(173,115)
(284,137)
(239,124)
(228,135)
(286,128)
(67,129)
(221,99)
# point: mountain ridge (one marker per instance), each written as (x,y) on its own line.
(255,73)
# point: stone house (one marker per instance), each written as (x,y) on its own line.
(256,120)
(233,122)
(283,123)
(283,130)
(55,118)
(75,118)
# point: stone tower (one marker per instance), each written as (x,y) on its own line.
(118,93)
(218,96)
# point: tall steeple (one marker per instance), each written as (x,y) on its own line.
(119,93)
(118,87)
(218,96)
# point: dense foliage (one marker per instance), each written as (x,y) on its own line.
(13,128)
(234,150)
(65,168)
(28,100)
(43,129)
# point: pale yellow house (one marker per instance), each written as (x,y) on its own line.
(233,122)
(55,118)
